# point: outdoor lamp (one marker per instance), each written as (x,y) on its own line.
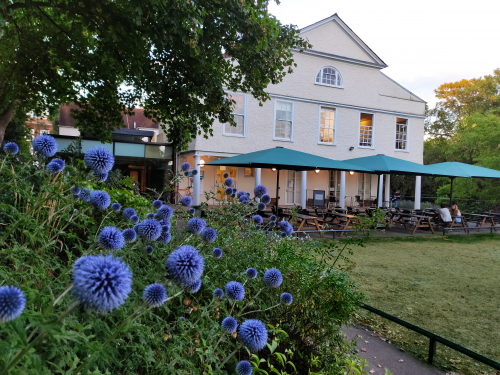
(202,163)
(316,170)
(273,169)
(351,173)
(351,148)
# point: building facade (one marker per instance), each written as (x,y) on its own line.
(337,103)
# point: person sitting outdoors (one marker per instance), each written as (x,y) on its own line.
(454,211)
(443,213)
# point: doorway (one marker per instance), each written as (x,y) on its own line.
(293,187)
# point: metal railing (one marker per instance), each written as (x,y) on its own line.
(434,339)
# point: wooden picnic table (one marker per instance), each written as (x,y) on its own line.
(416,221)
(343,221)
(481,219)
(308,219)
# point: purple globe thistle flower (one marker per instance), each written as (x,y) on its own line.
(165,237)
(102,282)
(154,295)
(286,298)
(99,160)
(11,148)
(286,227)
(56,165)
(165,225)
(229,325)
(128,213)
(192,211)
(164,212)
(268,232)
(129,235)
(272,224)
(257,219)
(219,293)
(100,199)
(193,287)
(150,216)
(248,195)
(111,238)
(185,167)
(260,190)
(266,199)
(251,273)
(134,219)
(228,191)
(258,227)
(84,195)
(149,250)
(244,199)
(233,195)
(101,177)
(186,173)
(194,172)
(240,193)
(273,218)
(182,318)
(187,201)
(225,175)
(261,206)
(75,190)
(196,225)
(116,207)
(157,204)
(149,229)
(235,291)
(12,302)
(253,334)
(244,368)
(185,265)
(165,228)
(217,253)
(273,278)
(45,145)
(209,235)
(283,234)
(229,182)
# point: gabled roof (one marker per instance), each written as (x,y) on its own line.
(335,18)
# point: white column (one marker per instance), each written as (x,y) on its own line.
(388,189)
(303,191)
(342,189)
(418,188)
(196,180)
(380,186)
(257,176)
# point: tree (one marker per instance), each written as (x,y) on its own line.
(168,56)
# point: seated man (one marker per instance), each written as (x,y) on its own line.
(443,213)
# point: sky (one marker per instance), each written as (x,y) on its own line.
(425,43)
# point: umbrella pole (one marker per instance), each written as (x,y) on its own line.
(277,189)
(451,189)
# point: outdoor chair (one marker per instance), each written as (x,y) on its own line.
(358,200)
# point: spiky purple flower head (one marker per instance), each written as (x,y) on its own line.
(111,238)
(253,334)
(102,282)
(129,235)
(266,199)
(244,199)
(128,213)
(235,291)
(99,160)
(219,293)
(251,273)
(186,173)
(257,219)
(149,229)
(244,368)
(149,250)
(165,237)
(273,218)
(56,165)
(164,212)
(225,175)
(217,253)
(45,145)
(187,201)
(228,191)
(154,295)
(100,199)
(194,172)
(157,204)
(85,195)
(192,211)
(283,234)
(11,148)
(185,167)
(75,190)
(193,287)
(116,207)
(260,190)
(134,219)
(12,303)
(273,278)
(182,318)
(261,206)
(229,182)
(240,193)
(196,225)
(286,298)
(209,235)
(286,227)
(258,227)
(100,176)
(150,216)
(165,225)
(229,325)
(185,265)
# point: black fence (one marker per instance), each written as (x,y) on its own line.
(434,339)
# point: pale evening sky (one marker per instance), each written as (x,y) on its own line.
(424,42)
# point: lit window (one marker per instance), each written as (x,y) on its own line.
(366,130)
(401,134)
(327,126)
(239,116)
(329,76)
(283,124)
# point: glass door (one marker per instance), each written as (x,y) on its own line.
(221,188)
(293,187)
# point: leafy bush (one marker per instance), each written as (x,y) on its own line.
(44,229)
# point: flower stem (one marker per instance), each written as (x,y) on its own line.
(269,308)
(63,294)
(229,356)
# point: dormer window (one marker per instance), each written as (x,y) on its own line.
(329,76)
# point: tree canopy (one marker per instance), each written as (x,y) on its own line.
(174,58)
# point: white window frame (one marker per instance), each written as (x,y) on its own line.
(244,120)
(373,129)
(274,122)
(335,121)
(407,134)
(320,83)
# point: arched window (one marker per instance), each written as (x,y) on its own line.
(329,76)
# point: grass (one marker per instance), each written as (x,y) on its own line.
(447,285)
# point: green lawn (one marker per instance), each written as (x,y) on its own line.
(448,285)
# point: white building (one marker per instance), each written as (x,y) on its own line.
(337,104)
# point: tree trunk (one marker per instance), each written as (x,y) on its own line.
(5,119)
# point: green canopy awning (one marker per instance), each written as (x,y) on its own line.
(456,169)
(382,164)
(284,158)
